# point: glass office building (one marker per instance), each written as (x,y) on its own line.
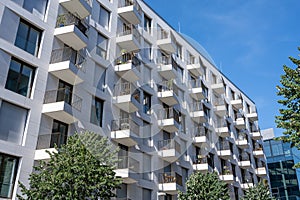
(284,179)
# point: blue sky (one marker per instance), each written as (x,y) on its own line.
(249,40)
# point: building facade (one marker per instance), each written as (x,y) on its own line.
(284,179)
(117,68)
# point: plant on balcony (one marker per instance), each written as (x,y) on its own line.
(81,169)
(289,90)
(226,170)
(259,191)
(205,187)
(61,20)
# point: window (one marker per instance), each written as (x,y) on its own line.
(102,44)
(122,192)
(28,37)
(146,167)
(64,92)
(147,103)
(146,194)
(36,7)
(147,23)
(20,77)
(97,111)
(59,134)
(178,50)
(147,50)
(104,17)
(8,171)
(12,122)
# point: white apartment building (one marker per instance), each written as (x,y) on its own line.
(117,68)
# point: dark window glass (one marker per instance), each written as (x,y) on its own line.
(97,111)
(59,134)
(20,77)
(28,38)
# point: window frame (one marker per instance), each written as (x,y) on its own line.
(94,119)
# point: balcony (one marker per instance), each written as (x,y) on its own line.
(196,90)
(252,116)
(258,152)
(128,169)
(246,186)
(167,92)
(244,161)
(219,88)
(237,104)
(129,37)
(200,164)
(261,170)
(197,113)
(130,10)
(61,105)
(67,64)
(242,141)
(128,67)
(125,97)
(240,121)
(220,107)
(200,136)
(168,119)
(167,67)
(124,131)
(166,41)
(224,150)
(227,178)
(71,31)
(255,134)
(195,69)
(169,150)
(224,129)
(170,182)
(82,8)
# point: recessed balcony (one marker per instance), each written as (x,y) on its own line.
(128,169)
(220,108)
(167,67)
(166,41)
(129,37)
(170,182)
(125,131)
(240,122)
(258,152)
(71,31)
(197,112)
(196,90)
(255,134)
(242,141)
(237,104)
(261,170)
(125,97)
(200,136)
(195,69)
(227,178)
(82,8)
(167,92)
(169,150)
(252,116)
(224,150)
(62,105)
(200,164)
(67,65)
(224,129)
(168,119)
(128,67)
(130,10)
(219,88)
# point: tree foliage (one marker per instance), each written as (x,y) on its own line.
(289,90)
(81,169)
(258,192)
(206,186)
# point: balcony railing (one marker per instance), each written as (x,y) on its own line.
(196,106)
(125,3)
(244,157)
(239,116)
(219,102)
(50,140)
(129,58)
(127,162)
(195,83)
(224,145)
(68,54)
(199,159)
(68,19)
(242,136)
(168,113)
(125,124)
(167,86)
(167,60)
(164,34)
(125,88)
(65,95)
(169,144)
(170,177)
(200,131)
(130,29)
(261,164)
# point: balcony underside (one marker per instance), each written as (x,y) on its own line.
(125,137)
(66,71)
(60,111)
(78,7)
(130,14)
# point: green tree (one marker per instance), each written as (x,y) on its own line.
(258,192)
(206,186)
(289,90)
(81,169)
